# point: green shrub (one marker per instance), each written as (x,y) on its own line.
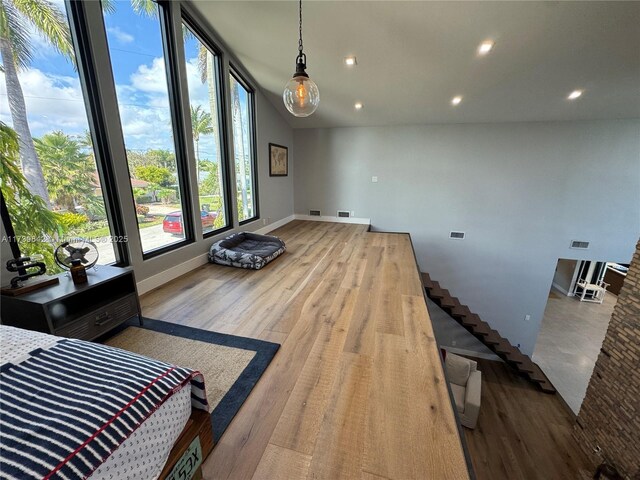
(167,195)
(70,221)
(144,199)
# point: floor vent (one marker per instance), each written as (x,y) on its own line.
(344,214)
(579,244)
(314,213)
(457,235)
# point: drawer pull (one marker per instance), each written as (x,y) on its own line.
(103,321)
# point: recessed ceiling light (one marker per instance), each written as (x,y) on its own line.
(485,47)
(456,100)
(350,61)
(358,106)
(575,94)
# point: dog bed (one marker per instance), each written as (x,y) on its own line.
(246,250)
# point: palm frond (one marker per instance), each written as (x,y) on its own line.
(108,6)
(13,29)
(50,21)
(145,7)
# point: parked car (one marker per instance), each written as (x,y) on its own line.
(172,222)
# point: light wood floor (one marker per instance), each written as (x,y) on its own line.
(357,389)
(522,433)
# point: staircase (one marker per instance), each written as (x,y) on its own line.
(483,332)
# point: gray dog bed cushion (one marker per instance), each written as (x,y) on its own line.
(246,250)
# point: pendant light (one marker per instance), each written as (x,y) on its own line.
(301,95)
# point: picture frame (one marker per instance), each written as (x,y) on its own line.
(278,160)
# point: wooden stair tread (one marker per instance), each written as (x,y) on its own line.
(493,338)
(459,311)
(472,320)
(449,302)
(481,328)
(426,281)
(547,387)
(439,293)
(503,347)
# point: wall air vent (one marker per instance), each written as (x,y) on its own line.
(456,235)
(344,213)
(314,213)
(579,244)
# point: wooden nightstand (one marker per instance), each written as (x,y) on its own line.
(108,299)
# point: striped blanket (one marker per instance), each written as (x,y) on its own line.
(67,407)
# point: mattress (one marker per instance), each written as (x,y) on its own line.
(144,452)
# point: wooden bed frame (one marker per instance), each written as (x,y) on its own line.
(198,426)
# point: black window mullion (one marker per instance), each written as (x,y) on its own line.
(96,118)
(253,150)
(178,125)
(222,120)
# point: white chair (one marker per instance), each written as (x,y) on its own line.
(466,385)
(592,292)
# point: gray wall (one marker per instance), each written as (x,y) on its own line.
(520,191)
(564,274)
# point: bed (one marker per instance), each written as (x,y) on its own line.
(74,409)
(246,250)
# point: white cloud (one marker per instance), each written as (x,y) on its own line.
(120,35)
(53,102)
(150,79)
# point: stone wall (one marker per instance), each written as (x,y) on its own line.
(608,425)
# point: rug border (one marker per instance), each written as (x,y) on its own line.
(230,404)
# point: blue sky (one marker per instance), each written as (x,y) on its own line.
(54,98)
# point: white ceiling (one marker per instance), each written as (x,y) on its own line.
(413,57)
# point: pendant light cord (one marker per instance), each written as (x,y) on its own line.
(300,31)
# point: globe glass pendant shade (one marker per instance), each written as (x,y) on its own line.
(301,96)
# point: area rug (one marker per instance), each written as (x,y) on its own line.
(231,365)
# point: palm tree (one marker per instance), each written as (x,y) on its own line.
(68,170)
(200,125)
(206,67)
(238,142)
(32,221)
(16,17)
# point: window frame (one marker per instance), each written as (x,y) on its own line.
(80,37)
(241,79)
(200,33)
(96,118)
(172,71)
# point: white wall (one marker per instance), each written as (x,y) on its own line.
(563,276)
(520,191)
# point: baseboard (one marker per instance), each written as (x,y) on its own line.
(356,220)
(561,290)
(274,225)
(166,276)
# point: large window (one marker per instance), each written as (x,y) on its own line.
(244,158)
(203,73)
(135,41)
(49,175)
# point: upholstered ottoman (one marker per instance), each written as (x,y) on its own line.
(246,250)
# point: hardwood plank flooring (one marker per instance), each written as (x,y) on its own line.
(522,433)
(357,389)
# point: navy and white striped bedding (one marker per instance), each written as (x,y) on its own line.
(66,407)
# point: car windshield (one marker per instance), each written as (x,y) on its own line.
(171,218)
